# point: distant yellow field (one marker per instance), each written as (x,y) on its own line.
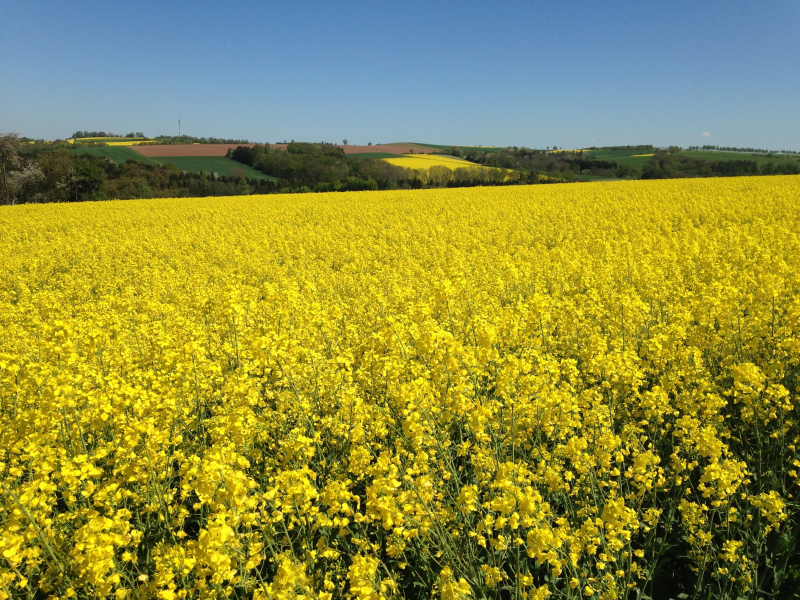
(436,169)
(426,161)
(651,154)
(130,143)
(115,141)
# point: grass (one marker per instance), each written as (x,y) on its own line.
(621,157)
(211,164)
(118,154)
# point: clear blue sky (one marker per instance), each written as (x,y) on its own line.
(572,74)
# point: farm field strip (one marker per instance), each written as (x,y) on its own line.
(118,154)
(211,164)
(559,391)
(425,161)
(131,143)
(634,158)
(184,150)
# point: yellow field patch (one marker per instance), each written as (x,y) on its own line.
(131,143)
(116,141)
(426,161)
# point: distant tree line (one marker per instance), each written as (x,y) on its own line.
(320,167)
(188,139)
(102,134)
(38,173)
(162,139)
(669,165)
(323,168)
(51,173)
(564,165)
(640,148)
(743,150)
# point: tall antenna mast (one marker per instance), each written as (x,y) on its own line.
(179,128)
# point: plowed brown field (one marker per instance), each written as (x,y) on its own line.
(156,150)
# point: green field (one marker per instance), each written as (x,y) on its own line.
(118,154)
(622,157)
(211,164)
(194,164)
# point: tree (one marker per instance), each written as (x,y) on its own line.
(58,169)
(24,183)
(9,156)
(345,142)
(237,173)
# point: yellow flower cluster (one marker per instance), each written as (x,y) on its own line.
(530,391)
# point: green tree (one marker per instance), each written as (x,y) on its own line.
(237,173)
(9,156)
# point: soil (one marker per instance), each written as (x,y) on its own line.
(156,150)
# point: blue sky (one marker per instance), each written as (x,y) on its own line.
(573,74)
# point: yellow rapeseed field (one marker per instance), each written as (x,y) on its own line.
(439,170)
(566,391)
(116,141)
(131,143)
(425,161)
